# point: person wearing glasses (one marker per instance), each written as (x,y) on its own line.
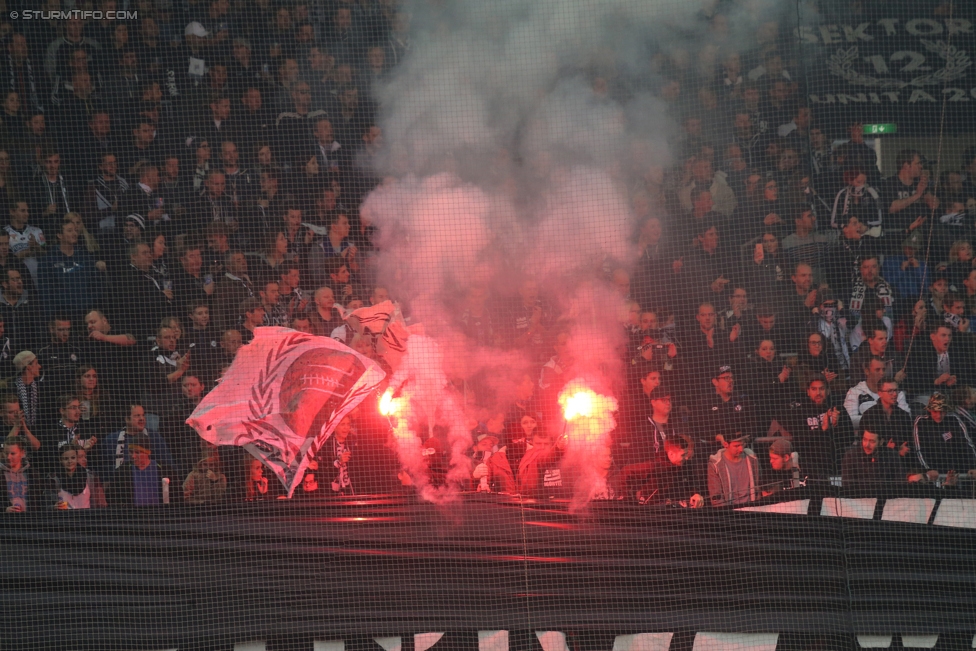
(866,394)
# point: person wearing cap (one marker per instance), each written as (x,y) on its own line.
(116,244)
(197,39)
(140,480)
(733,475)
(205,484)
(113,451)
(943,444)
(869,465)
(820,432)
(866,394)
(28,387)
(722,410)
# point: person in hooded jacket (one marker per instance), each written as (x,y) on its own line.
(71,486)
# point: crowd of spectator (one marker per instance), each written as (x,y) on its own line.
(174,183)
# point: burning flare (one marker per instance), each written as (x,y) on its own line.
(589,415)
(589,423)
(396,410)
(389,406)
(579,404)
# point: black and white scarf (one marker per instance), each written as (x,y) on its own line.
(31,84)
(29,400)
(108,192)
(341,483)
(856,194)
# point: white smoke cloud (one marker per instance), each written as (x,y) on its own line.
(512,161)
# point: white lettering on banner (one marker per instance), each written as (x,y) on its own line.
(955,62)
(954,95)
(830,34)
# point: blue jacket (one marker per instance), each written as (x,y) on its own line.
(68,284)
(108,454)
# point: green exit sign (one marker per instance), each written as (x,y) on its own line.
(872,129)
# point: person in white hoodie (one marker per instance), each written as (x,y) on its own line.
(865,394)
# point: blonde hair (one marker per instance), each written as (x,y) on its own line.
(91,244)
(956,247)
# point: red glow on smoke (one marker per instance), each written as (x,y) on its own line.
(588,415)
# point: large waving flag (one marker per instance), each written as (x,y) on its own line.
(283,396)
(387,323)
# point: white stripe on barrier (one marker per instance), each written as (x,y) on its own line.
(795,507)
(643,642)
(919,641)
(250,646)
(329,645)
(389,643)
(908,509)
(423,641)
(735,642)
(492,640)
(874,641)
(552,640)
(848,507)
(956,513)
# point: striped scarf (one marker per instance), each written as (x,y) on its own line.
(29,401)
(31,84)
